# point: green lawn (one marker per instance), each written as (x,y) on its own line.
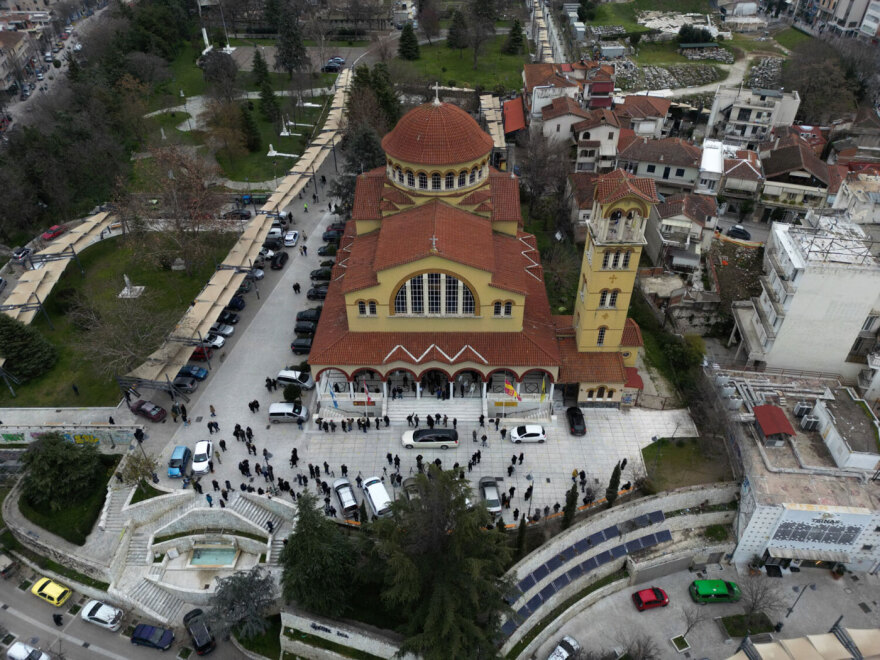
(145,491)
(660,53)
(439,63)
(736,624)
(749,44)
(269,643)
(791,38)
(104,262)
(168,123)
(73,523)
(681,462)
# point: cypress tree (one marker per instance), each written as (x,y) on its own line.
(613,486)
(252,139)
(571,498)
(457,37)
(260,69)
(521,538)
(28,354)
(268,102)
(514,43)
(408,49)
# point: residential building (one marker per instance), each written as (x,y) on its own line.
(742,181)
(859,194)
(711,168)
(558,117)
(795,180)
(590,84)
(647,116)
(437,285)
(745,117)
(581,190)
(671,162)
(870,27)
(680,229)
(819,309)
(514,118)
(845,17)
(16,52)
(857,141)
(597,137)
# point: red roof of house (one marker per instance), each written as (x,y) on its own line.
(626,137)
(437,134)
(632,334)
(746,166)
(772,420)
(545,74)
(633,379)
(619,184)
(668,151)
(698,208)
(514,115)
(596,118)
(643,107)
(560,106)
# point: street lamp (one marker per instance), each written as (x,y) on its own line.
(811,586)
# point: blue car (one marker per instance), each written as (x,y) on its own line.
(152,636)
(180,458)
(193,371)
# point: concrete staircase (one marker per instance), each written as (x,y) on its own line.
(153,599)
(254,513)
(138,549)
(278,543)
(466,411)
(115,518)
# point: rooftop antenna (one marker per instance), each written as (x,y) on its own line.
(436,94)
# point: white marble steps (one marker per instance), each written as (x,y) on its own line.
(115,518)
(138,549)
(254,513)
(464,410)
(154,600)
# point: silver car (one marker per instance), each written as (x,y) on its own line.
(222,329)
(489,493)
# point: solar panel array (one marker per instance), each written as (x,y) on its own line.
(576,570)
(817,533)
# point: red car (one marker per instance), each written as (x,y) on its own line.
(650,598)
(202,353)
(149,410)
(54,232)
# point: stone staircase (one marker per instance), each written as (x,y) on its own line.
(253,512)
(138,549)
(278,543)
(153,599)
(464,410)
(115,518)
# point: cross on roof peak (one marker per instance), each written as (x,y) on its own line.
(433,240)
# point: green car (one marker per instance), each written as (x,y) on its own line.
(714,591)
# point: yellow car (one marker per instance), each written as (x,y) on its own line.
(52,592)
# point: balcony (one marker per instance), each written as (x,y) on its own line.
(769,330)
(784,277)
(775,298)
(866,377)
(874,359)
(743,315)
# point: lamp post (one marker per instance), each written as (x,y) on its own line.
(186,110)
(811,586)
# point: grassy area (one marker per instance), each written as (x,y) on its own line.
(791,38)
(167,124)
(624,13)
(104,265)
(251,42)
(269,643)
(660,53)
(185,75)
(493,67)
(73,523)
(326,644)
(737,626)
(749,44)
(145,491)
(682,462)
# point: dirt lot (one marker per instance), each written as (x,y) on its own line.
(738,269)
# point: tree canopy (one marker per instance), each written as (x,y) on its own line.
(408,48)
(28,353)
(457,37)
(242,601)
(515,39)
(691,34)
(290,53)
(816,72)
(59,472)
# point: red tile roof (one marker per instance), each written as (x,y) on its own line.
(596,118)
(643,107)
(583,185)
(746,166)
(698,208)
(668,151)
(437,134)
(545,74)
(627,137)
(798,156)
(561,106)
(772,420)
(619,184)
(513,114)
(396,195)
(603,368)
(367,193)
(632,334)
(633,379)
(504,187)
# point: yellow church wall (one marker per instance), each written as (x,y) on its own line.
(392,279)
(442,170)
(630,355)
(585,388)
(384,370)
(366,226)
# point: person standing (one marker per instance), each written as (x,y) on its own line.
(521,456)
(222,444)
(213,412)
(210,500)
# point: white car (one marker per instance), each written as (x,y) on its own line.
(214,341)
(102,614)
(291,238)
(222,329)
(528,433)
(202,455)
(566,648)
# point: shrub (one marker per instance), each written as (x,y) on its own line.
(292,393)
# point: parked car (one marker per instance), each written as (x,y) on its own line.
(180,458)
(201,353)
(186,383)
(740,232)
(40,75)
(236,304)
(567,647)
(279,260)
(714,591)
(528,433)
(331,67)
(213,341)
(489,493)
(149,410)
(328,250)
(287,412)
(273,244)
(8,566)
(20,254)
(197,627)
(291,238)
(266,253)
(52,592)
(244,287)
(222,329)
(331,236)
(202,456)
(255,274)
(102,614)
(302,379)
(321,274)
(305,328)
(313,314)
(193,371)
(237,214)
(53,232)
(430,438)
(576,423)
(21,651)
(152,636)
(345,494)
(648,599)
(301,345)
(336,226)
(316,294)
(228,318)
(3,283)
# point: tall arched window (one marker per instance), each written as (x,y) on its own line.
(600,393)
(410,179)
(600,339)
(362,307)
(626,256)
(473,175)
(398,174)
(372,308)
(450,181)
(435,181)
(423,181)
(435,294)
(462,179)
(612,298)
(508,308)
(606,259)
(498,309)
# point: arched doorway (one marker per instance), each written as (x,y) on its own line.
(401,384)
(495,383)
(468,383)
(435,383)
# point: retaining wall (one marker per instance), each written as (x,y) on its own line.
(363,638)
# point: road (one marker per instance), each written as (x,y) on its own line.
(30,620)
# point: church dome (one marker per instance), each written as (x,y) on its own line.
(437,134)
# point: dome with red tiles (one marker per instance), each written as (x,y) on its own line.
(437,134)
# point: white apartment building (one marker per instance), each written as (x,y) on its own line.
(745,117)
(859,194)
(870,26)
(819,309)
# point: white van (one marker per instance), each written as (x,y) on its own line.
(377,497)
(288,412)
(19,651)
(301,379)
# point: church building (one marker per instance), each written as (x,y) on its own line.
(438,293)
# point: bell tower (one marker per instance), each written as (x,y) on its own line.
(616,234)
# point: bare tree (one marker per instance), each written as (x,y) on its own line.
(148,68)
(561,265)
(429,20)
(138,467)
(760,594)
(641,647)
(223,120)
(384,48)
(545,166)
(220,72)
(693,616)
(317,28)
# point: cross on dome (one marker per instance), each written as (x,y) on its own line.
(436,93)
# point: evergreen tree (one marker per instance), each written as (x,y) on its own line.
(252,139)
(408,49)
(59,472)
(515,39)
(269,102)
(521,537)
(482,25)
(316,562)
(28,354)
(362,513)
(457,37)
(290,53)
(260,70)
(571,500)
(613,486)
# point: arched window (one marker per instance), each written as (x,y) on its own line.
(410,179)
(612,298)
(423,181)
(585,135)
(626,256)
(435,181)
(436,294)
(600,393)
(603,298)
(610,394)
(498,309)
(450,181)
(372,308)
(606,259)
(398,173)
(473,175)
(462,179)
(616,261)
(508,308)
(600,339)
(591,394)
(362,307)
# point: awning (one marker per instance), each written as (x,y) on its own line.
(801,649)
(808,553)
(829,646)
(772,651)
(684,258)
(867,640)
